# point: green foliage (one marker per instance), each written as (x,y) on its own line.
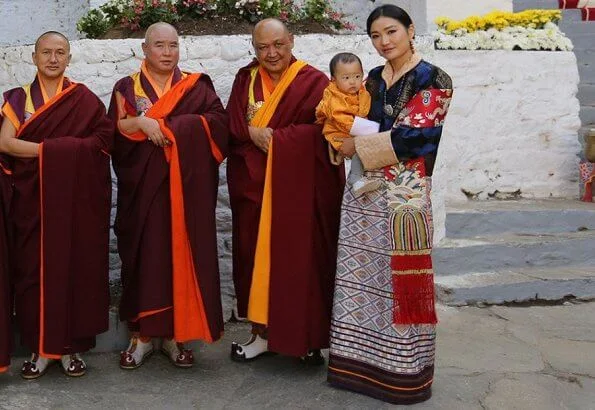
(197,8)
(94,24)
(143,13)
(140,14)
(321,11)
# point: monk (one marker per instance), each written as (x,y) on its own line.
(58,137)
(172,136)
(285,197)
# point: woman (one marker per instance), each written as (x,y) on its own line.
(383,327)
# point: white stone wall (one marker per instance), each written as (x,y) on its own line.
(22,21)
(512,125)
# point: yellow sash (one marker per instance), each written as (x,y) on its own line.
(258,305)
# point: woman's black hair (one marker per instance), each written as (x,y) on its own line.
(388,10)
(344,58)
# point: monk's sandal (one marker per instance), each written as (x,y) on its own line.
(136,353)
(73,365)
(250,350)
(36,367)
(177,354)
(313,358)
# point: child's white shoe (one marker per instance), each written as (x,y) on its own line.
(363,185)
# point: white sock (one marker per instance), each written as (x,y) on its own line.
(252,348)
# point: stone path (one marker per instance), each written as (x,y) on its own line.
(539,357)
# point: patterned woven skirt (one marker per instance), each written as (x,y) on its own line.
(377,346)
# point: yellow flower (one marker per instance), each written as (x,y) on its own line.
(500,19)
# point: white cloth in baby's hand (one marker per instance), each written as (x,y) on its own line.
(362,126)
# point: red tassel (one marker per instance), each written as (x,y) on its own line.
(588,196)
(414,299)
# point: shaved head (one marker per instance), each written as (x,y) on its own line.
(51,34)
(269,24)
(159,28)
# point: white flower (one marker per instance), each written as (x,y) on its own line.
(548,38)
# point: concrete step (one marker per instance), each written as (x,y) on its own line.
(587,115)
(512,251)
(586,94)
(518,286)
(572,27)
(583,41)
(475,218)
(520,5)
(572,15)
(586,70)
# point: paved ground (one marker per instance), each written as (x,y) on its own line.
(540,357)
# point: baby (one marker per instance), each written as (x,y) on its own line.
(344,99)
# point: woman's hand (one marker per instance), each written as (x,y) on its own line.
(347,149)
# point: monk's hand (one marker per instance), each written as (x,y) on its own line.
(347,149)
(261,137)
(151,128)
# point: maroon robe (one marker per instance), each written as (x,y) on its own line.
(307,191)
(60,220)
(5,289)
(143,221)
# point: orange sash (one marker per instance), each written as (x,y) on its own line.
(258,305)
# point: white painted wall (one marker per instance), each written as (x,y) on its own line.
(512,125)
(22,21)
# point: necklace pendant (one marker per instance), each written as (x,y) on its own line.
(388,110)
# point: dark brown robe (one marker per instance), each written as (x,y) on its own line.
(306,200)
(197,122)
(5,288)
(59,216)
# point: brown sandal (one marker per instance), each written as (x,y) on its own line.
(31,370)
(73,365)
(177,354)
(136,354)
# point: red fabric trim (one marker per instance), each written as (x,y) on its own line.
(427,108)
(568,4)
(588,196)
(411,262)
(414,299)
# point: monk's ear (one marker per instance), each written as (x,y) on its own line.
(144,47)
(34,58)
(291,40)
(69,58)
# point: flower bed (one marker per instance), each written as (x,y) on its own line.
(527,30)
(193,16)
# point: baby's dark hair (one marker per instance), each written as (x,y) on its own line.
(344,58)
